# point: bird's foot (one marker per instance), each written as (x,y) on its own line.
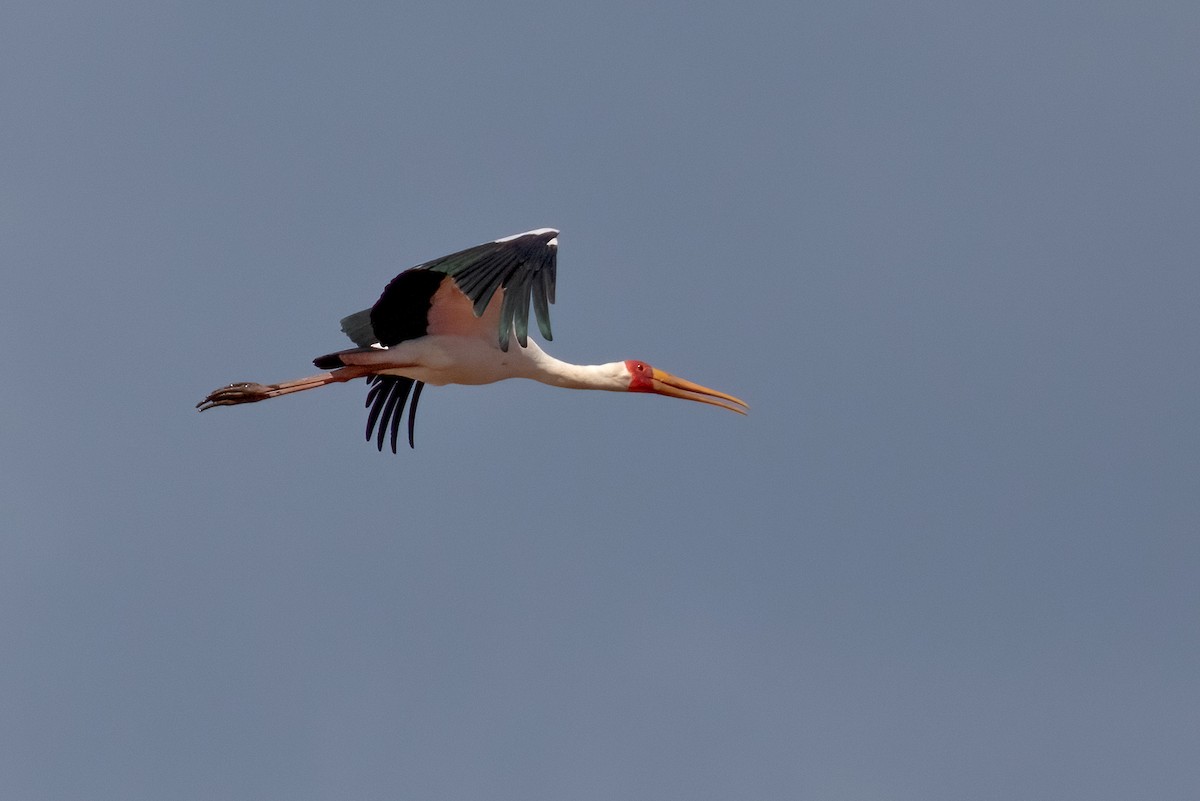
(244,392)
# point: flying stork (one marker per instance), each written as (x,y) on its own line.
(451,321)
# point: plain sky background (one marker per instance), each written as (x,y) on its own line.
(949,252)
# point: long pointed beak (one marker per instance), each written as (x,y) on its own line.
(664,383)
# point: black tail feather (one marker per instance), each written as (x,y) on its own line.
(330,361)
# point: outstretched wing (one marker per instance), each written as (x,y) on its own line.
(523,266)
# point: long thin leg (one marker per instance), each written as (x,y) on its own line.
(249,392)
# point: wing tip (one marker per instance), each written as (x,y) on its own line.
(552,232)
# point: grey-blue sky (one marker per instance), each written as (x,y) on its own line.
(947,251)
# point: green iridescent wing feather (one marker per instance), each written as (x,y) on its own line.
(523,266)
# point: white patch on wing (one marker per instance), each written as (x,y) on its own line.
(535,231)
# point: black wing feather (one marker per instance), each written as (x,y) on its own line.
(386,400)
(389,408)
(402,311)
(412,412)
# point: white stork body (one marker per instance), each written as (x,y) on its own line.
(460,348)
(441,359)
(450,321)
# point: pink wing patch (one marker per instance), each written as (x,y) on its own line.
(451,313)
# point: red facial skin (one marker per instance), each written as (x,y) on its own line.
(642,375)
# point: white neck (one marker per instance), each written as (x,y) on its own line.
(541,366)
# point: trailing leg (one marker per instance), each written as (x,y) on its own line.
(250,392)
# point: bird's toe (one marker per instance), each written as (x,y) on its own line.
(243,392)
